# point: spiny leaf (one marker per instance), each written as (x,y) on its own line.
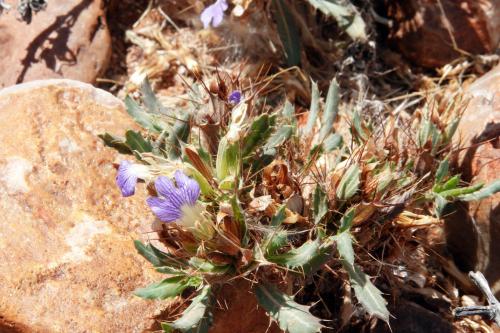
(345,14)
(332,142)
(136,142)
(451,129)
(366,293)
(279,137)
(483,193)
(197,318)
(290,316)
(157,257)
(461,191)
(152,103)
(308,257)
(275,241)
(346,221)
(442,171)
(206,266)
(439,205)
(240,219)
(259,132)
(451,184)
(279,217)
(115,142)
(140,116)
(320,204)
(178,133)
(349,184)
(331,110)
(289,113)
(168,288)
(288,32)
(313,109)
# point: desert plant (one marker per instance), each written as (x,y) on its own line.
(245,189)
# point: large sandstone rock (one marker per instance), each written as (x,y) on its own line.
(69,39)
(67,261)
(425,30)
(473,230)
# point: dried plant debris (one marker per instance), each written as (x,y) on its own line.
(327,198)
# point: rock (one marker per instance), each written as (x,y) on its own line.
(67,260)
(473,229)
(69,39)
(422,33)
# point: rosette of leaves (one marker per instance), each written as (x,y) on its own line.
(285,198)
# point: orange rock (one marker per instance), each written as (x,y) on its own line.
(69,39)
(67,260)
(473,237)
(425,32)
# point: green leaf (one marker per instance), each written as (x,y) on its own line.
(313,109)
(152,103)
(115,142)
(178,134)
(451,129)
(439,205)
(136,142)
(357,124)
(289,113)
(346,221)
(344,247)
(279,217)
(451,184)
(259,132)
(349,184)
(331,110)
(140,116)
(309,256)
(483,193)
(366,293)
(279,137)
(197,318)
(275,241)
(320,204)
(332,142)
(168,288)
(227,160)
(290,316)
(346,15)
(461,191)
(240,219)
(156,257)
(288,32)
(442,171)
(206,266)
(424,132)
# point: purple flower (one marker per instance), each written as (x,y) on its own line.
(128,174)
(174,199)
(235,97)
(214,14)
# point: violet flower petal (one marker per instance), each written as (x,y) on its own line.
(168,207)
(126,179)
(163,209)
(235,97)
(214,14)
